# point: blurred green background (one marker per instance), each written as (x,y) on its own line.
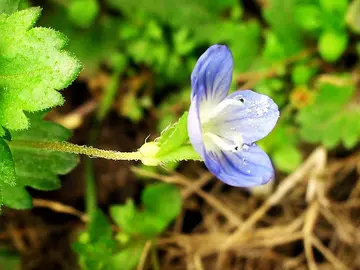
(301,53)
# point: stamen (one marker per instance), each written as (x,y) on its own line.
(225,144)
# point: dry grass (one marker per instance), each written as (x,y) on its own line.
(307,220)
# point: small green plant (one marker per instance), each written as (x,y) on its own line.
(100,248)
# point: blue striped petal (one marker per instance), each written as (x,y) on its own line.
(249,167)
(212,74)
(254,117)
(194,127)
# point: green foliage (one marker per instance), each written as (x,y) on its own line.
(9,6)
(32,67)
(33,167)
(127,258)
(333,117)
(302,73)
(285,37)
(327,20)
(161,204)
(96,246)
(174,13)
(281,144)
(174,144)
(98,249)
(83,12)
(173,136)
(332,45)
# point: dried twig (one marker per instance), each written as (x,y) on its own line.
(61,208)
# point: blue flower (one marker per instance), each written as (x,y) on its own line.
(223,128)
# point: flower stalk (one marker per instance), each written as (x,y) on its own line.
(80,149)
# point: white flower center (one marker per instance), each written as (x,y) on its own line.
(210,116)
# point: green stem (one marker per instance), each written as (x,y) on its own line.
(90,195)
(79,149)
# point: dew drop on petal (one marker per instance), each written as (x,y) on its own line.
(245,147)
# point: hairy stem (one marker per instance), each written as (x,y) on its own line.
(79,149)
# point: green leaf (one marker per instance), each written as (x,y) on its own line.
(163,200)
(8,189)
(37,168)
(287,158)
(332,45)
(281,144)
(350,130)
(353,16)
(99,227)
(334,5)
(83,12)
(182,43)
(33,66)
(136,223)
(308,17)
(96,246)
(280,16)
(93,46)
(185,152)
(9,6)
(248,47)
(331,118)
(302,73)
(161,203)
(173,136)
(126,259)
(7,167)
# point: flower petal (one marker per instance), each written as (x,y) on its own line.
(212,74)
(253,119)
(194,126)
(246,168)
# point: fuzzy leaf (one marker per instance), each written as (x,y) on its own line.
(33,67)
(93,46)
(173,136)
(37,168)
